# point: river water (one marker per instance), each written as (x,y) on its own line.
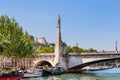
(82,76)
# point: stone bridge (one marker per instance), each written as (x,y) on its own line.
(73,60)
(88,59)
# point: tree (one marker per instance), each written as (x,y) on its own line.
(68,49)
(42,49)
(92,50)
(77,49)
(18,44)
(3,43)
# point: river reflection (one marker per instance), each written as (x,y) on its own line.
(110,74)
(79,76)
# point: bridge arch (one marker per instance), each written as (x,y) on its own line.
(43,63)
(92,62)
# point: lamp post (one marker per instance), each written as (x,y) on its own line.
(116,50)
(77,48)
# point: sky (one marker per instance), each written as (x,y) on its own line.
(90,23)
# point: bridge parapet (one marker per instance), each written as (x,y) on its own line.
(91,53)
(94,54)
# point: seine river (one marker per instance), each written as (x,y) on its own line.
(82,76)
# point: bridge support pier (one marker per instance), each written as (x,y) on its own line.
(60,59)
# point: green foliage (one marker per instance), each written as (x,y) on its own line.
(42,49)
(74,49)
(68,49)
(3,43)
(92,50)
(78,49)
(16,42)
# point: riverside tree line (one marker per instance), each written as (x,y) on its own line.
(69,49)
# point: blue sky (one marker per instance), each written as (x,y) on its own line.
(90,23)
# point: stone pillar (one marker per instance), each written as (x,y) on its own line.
(60,58)
(57,45)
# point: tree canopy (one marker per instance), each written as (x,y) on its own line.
(79,50)
(42,49)
(13,41)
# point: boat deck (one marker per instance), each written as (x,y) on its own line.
(27,75)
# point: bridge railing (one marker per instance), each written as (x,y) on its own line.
(91,53)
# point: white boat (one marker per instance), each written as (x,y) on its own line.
(40,72)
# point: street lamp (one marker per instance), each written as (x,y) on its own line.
(116,50)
